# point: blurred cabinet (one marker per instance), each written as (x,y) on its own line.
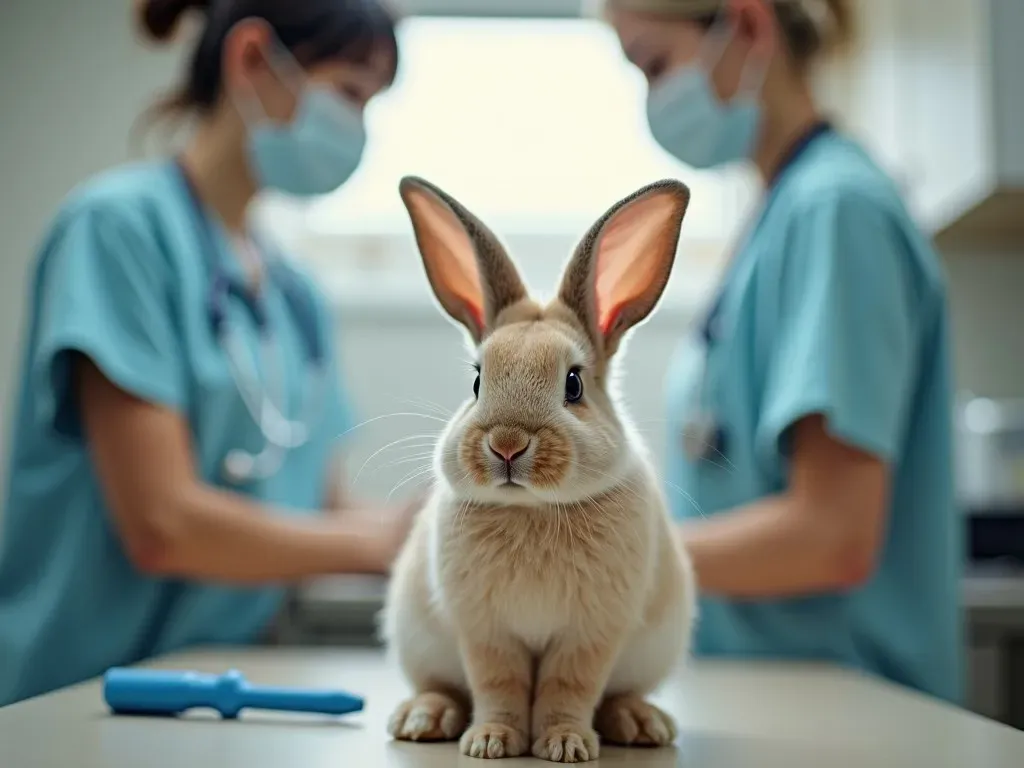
(937,93)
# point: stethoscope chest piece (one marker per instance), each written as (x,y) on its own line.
(239,467)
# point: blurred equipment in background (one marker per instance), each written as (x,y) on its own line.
(990,478)
(990,487)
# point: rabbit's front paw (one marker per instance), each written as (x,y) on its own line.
(631,721)
(567,744)
(428,717)
(492,741)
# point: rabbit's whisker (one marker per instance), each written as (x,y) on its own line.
(688,433)
(625,483)
(421,467)
(585,522)
(408,459)
(423,402)
(408,478)
(392,444)
(686,496)
(463,510)
(362,424)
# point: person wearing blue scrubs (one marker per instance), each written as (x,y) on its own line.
(146,511)
(809,454)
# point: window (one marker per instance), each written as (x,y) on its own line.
(536,125)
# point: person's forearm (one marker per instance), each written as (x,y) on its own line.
(765,551)
(220,536)
(336,495)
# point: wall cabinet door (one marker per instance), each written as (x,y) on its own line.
(936,94)
(943,104)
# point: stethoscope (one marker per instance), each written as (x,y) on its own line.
(266,406)
(704,436)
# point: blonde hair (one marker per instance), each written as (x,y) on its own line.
(810,27)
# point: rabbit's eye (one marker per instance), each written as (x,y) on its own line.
(476,387)
(573,387)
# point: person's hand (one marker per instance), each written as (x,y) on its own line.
(386,529)
(400,524)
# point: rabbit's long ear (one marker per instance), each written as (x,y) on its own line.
(468,269)
(620,268)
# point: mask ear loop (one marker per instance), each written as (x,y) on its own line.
(716,40)
(754,73)
(287,70)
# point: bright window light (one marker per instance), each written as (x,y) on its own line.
(536,125)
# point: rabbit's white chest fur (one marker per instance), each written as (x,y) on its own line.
(524,605)
(537,573)
(534,581)
(529,574)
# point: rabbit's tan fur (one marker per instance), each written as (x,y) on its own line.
(546,610)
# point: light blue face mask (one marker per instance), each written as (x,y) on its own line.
(690,122)
(314,154)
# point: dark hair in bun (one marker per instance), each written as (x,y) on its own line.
(315,31)
(159,19)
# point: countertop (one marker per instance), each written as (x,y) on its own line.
(731,715)
(994,592)
(982,589)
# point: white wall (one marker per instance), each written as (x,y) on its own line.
(72,82)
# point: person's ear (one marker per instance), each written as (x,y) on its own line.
(246,54)
(249,71)
(750,30)
(755,28)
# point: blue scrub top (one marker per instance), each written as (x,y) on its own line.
(835,305)
(122,278)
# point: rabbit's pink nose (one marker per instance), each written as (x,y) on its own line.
(508,448)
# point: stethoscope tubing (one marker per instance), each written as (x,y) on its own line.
(277,429)
(266,406)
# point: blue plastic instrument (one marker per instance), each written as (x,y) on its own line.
(161,692)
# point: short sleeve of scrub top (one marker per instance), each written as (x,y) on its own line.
(105,295)
(844,341)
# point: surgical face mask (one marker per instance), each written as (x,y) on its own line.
(314,154)
(690,122)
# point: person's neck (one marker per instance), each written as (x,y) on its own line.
(216,165)
(793,118)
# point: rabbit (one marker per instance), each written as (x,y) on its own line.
(541,591)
